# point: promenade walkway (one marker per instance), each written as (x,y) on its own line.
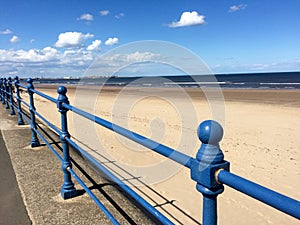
(12,208)
(34,176)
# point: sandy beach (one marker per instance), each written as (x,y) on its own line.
(261,141)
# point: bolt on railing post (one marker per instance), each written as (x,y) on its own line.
(20,117)
(1,81)
(6,93)
(11,97)
(209,160)
(34,140)
(68,190)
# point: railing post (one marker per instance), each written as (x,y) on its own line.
(209,161)
(6,94)
(68,190)
(34,140)
(11,97)
(20,117)
(2,92)
(1,81)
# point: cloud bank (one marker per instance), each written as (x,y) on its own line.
(70,55)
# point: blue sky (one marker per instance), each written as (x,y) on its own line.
(63,38)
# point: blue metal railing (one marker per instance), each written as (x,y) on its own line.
(208,169)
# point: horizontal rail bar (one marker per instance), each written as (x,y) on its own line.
(48,144)
(25,103)
(143,203)
(16,97)
(176,156)
(26,117)
(15,107)
(269,197)
(96,200)
(51,125)
(22,86)
(44,95)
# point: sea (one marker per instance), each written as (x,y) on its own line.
(275,80)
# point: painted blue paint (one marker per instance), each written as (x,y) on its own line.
(45,96)
(51,125)
(263,194)
(18,97)
(3,91)
(1,82)
(172,154)
(68,190)
(6,93)
(209,160)
(91,194)
(11,100)
(154,214)
(34,140)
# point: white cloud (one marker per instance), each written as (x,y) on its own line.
(119,16)
(112,41)
(104,12)
(87,17)
(94,46)
(132,57)
(55,63)
(78,57)
(72,39)
(14,39)
(32,55)
(35,55)
(7,31)
(189,19)
(235,8)
(49,50)
(116,62)
(141,56)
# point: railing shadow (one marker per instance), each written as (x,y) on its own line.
(95,186)
(156,204)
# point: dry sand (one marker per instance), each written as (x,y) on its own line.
(261,142)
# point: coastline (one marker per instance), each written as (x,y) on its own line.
(271,96)
(260,141)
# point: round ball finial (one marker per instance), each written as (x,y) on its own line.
(9,79)
(16,78)
(210,132)
(29,80)
(62,90)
